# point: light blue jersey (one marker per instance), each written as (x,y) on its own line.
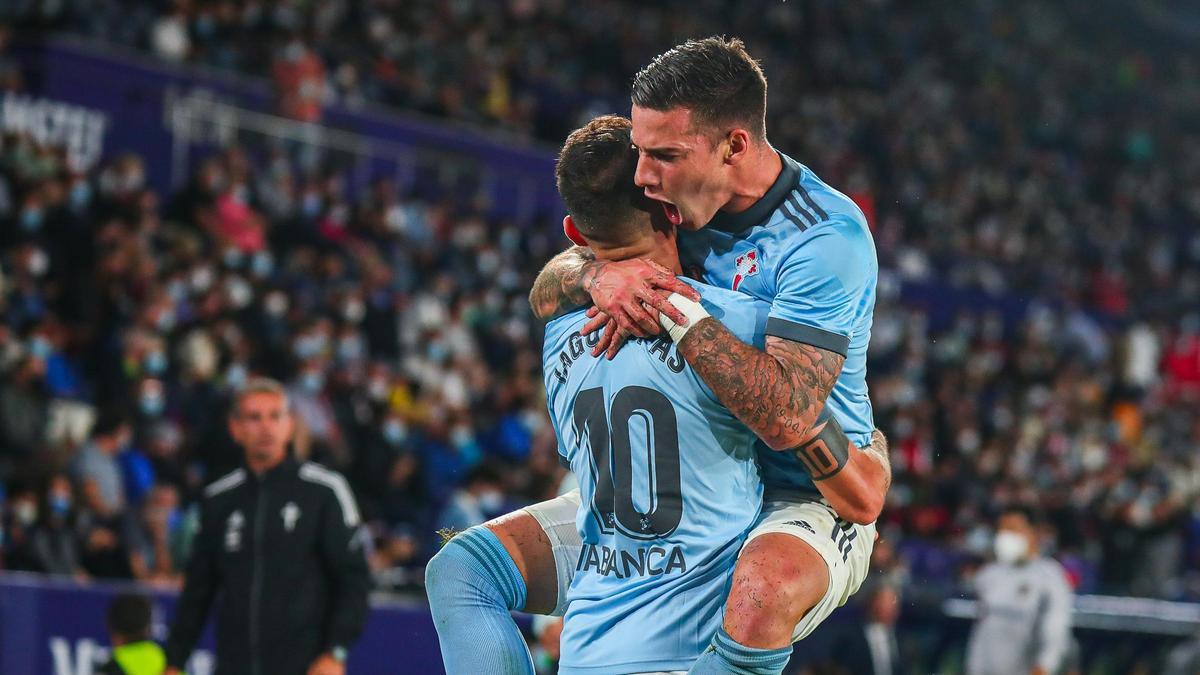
(669,487)
(806,249)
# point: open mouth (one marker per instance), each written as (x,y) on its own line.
(672,213)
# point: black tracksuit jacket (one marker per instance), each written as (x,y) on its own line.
(283,552)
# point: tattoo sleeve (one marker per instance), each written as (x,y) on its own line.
(777,393)
(878,451)
(562,283)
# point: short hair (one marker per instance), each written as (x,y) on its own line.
(129,617)
(257,385)
(108,422)
(595,174)
(715,78)
(1029,513)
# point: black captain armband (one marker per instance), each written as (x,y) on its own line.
(826,453)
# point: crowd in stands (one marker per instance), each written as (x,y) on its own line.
(1030,172)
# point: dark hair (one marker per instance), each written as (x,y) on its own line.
(595,178)
(715,78)
(108,422)
(1029,513)
(129,617)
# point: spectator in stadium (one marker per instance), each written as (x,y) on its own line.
(133,652)
(1025,603)
(98,471)
(55,543)
(280,542)
(870,647)
(478,499)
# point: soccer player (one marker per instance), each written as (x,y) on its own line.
(765,226)
(526,560)
(668,479)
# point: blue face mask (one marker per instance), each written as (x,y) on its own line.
(232,258)
(312,381)
(262,265)
(235,377)
(40,348)
(350,349)
(31,219)
(81,195)
(155,363)
(394,432)
(152,405)
(59,505)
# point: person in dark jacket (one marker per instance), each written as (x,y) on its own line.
(870,648)
(280,542)
(133,652)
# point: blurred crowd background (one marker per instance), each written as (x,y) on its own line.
(1031,172)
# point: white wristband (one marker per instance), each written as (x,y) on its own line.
(692,311)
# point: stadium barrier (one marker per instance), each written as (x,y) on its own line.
(56,627)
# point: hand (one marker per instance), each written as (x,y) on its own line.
(172,671)
(1038,670)
(327,665)
(630,294)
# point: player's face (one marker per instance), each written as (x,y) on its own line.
(679,166)
(263,426)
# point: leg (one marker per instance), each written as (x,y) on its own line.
(800,563)
(481,575)
(778,579)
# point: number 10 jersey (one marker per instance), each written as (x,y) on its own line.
(669,488)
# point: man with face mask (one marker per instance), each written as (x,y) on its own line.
(1024,622)
(479,499)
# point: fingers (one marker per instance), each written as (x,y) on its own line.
(669,282)
(640,322)
(599,320)
(616,345)
(659,302)
(610,332)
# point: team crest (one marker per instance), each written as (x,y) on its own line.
(747,266)
(290,514)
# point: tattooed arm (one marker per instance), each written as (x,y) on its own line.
(780,394)
(629,294)
(561,284)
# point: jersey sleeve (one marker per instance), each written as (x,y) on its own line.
(744,316)
(822,284)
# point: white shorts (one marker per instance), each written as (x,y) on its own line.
(557,518)
(845,547)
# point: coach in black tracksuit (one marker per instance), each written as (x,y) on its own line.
(278,541)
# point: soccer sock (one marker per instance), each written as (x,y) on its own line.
(472,584)
(725,656)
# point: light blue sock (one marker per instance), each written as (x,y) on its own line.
(472,584)
(725,656)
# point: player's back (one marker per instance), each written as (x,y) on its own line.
(669,487)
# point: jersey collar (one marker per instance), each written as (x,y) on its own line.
(761,210)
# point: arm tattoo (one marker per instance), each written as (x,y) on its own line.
(878,450)
(564,282)
(777,393)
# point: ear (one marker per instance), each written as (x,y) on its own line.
(572,231)
(739,146)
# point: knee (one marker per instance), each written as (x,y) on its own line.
(770,595)
(443,570)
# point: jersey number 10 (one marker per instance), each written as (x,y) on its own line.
(612,460)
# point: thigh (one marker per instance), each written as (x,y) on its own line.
(543,542)
(843,547)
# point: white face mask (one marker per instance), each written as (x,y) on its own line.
(491,501)
(1010,547)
